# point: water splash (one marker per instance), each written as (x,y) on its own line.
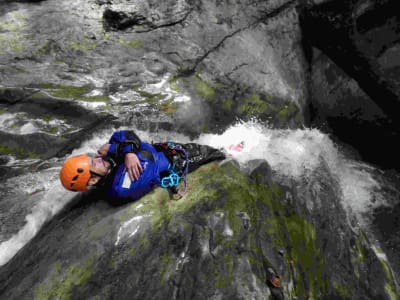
(297,153)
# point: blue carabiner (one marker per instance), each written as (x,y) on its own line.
(171,145)
(171,180)
(165,182)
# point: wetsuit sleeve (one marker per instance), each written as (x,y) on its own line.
(122,142)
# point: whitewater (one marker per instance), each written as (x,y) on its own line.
(290,153)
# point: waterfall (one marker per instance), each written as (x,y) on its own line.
(297,153)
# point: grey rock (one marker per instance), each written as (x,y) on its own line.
(250,56)
(357,101)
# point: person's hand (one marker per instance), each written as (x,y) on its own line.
(103,150)
(133,166)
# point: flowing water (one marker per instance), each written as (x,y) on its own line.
(29,200)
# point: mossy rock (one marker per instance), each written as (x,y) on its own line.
(73,92)
(17,152)
(65,280)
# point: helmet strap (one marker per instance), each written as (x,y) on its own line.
(103,178)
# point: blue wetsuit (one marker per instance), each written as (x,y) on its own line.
(153,163)
(156,161)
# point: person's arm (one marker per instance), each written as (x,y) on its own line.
(123,142)
(133,166)
(122,147)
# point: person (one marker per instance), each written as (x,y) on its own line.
(127,168)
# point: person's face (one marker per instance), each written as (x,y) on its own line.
(98,169)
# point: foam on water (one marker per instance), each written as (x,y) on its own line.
(296,153)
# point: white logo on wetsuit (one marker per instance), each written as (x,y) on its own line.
(126,184)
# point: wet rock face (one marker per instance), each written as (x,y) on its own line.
(215,52)
(354,83)
(121,20)
(145,15)
(223,239)
(39,127)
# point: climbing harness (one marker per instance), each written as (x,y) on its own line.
(173,151)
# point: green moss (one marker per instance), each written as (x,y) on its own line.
(85,45)
(204,89)
(283,113)
(279,109)
(34,156)
(135,43)
(95,98)
(253,105)
(107,36)
(47,118)
(166,261)
(230,191)
(158,207)
(73,92)
(391,291)
(16,26)
(12,39)
(359,258)
(173,84)
(162,207)
(361,254)
(289,230)
(8,43)
(51,130)
(38,95)
(45,49)
(227,104)
(152,98)
(390,286)
(11,27)
(224,272)
(17,152)
(131,210)
(93,219)
(223,280)
(205,127)
(287,111)
(168,106)
(62,283)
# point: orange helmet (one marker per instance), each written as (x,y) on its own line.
(75,173)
